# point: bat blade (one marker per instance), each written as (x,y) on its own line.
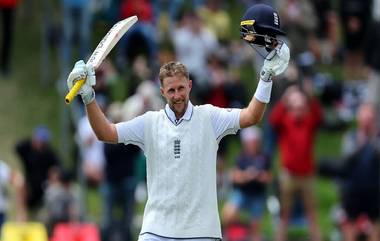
(109,41)
(102,50)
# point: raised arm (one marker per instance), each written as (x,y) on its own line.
(274,64)
(252,114)
(103,129)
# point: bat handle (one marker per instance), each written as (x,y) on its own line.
(73,92)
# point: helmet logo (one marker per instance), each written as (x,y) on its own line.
(247,22)
(275,18)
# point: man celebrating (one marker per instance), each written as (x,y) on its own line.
(180,144)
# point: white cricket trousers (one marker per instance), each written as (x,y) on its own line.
(153,237)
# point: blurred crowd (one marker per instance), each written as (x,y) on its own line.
(331,85)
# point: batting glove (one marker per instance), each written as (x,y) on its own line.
(274,64)
(83,71)
(276,61)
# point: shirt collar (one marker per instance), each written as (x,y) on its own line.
(187,116)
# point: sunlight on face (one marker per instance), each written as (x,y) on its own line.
(176,91)
(250,37)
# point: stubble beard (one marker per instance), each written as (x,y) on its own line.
(179,112)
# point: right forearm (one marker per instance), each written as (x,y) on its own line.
(103,129)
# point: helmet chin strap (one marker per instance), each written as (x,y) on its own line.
(267,47)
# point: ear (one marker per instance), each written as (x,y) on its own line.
(162,91)
(190,84)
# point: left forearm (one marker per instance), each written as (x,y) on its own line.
(252,114)
(274,64)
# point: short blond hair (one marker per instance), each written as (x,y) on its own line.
(171,69)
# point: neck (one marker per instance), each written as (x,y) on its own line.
(368,131)
(179,115)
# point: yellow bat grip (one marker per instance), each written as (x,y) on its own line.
(73,92)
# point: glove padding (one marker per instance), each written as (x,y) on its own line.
(276,62)
(83,71)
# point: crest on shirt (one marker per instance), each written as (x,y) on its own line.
(177,149)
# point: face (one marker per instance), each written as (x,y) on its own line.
(176,91)
(37,144)
(366,116)
(252,146)
(297,104)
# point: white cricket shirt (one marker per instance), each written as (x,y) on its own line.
(181,168)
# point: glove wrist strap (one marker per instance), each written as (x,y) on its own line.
(263,91)
(89,97)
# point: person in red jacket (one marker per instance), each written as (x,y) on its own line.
(296,118)
(7,14)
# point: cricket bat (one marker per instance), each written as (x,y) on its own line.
(102,50)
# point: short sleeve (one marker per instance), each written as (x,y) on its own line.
(224,121)
(132,131)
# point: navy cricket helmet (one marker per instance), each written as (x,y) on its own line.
(260,26)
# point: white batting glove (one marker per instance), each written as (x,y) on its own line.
(83,71)
(276,61)
(274,64)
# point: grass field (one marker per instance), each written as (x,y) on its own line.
(27,102)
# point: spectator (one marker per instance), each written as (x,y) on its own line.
(7,12)
(355,22)
(216,92)
(168,13)
(194,55)
(76,29)
(236,90)
(118,191)
(325,46)
(361,189)
(290,77)
(299,22)
(295,119)
(216,19)
(91,151)
(224,93)
(61,200)
(119,185)
(141,38)
(146,98)
(249,3)
(139,73)
(16,181)
(38,159)
(250,177)
(372,53)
